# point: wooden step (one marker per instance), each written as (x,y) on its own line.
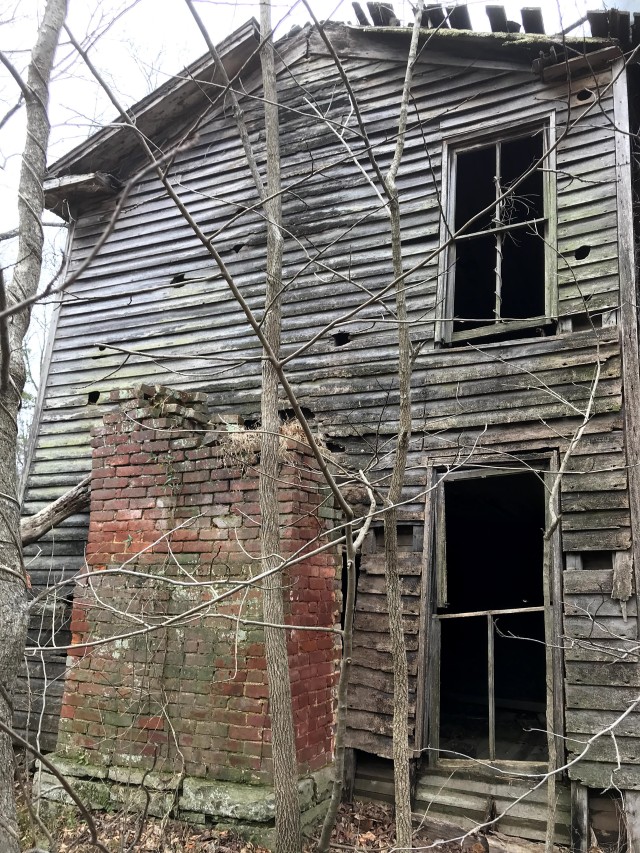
(458,792)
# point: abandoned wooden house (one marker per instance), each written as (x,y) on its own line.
(520,526)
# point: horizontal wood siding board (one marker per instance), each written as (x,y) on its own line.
(591,722)
(595,607)
(581,581)
(625,749)
(599,774)
(584,697)
(605,674)
(596,520)
(604,627)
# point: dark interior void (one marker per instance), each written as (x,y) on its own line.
(511,261)
(494,538)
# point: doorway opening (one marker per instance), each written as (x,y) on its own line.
(489,622)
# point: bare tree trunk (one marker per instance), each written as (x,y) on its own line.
(14,610)
(401,754)
(285,767)
(351,548)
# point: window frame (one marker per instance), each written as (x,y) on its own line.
(481,138)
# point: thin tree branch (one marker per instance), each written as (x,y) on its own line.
(34,527)
(63,782)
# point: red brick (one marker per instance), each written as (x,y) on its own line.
(150,722)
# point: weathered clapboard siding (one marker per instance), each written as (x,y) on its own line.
(601,657)
(371,688)
(521,396)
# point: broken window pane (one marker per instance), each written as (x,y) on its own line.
(498,263)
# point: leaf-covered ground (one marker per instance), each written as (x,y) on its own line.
(361,827)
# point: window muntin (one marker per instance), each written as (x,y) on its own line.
(496,276)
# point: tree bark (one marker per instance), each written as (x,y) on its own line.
(14,610)
(33,527)
(401,753)
(285,767)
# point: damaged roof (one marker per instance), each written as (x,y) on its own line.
(446,30)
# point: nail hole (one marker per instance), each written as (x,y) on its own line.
(582,252)
(93,397)
(585,95)
(341,338)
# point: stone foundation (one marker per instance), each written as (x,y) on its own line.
(248,809)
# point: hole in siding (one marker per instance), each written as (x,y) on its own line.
(585,95)
(289,414)
(335,447)
(101,348)
(341,338)
(584,322)
(582,252)
(93,397)
(405,537)
(239,247)
(179,280)
(597,560)
(251,423)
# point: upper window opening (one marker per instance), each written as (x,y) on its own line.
(495,274)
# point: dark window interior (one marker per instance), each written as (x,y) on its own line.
(494,557)
(499,276)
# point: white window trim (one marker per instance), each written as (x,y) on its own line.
(446,266)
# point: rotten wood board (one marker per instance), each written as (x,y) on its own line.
(602,628)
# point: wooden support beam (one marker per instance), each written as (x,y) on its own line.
(437,17)
(388,15)
(621,28)
(374,14)
(360,14)
(632,818)
(599,23)
(459,17)
(532,20)
(382,15)
(628,313)
(497,18)
(579,818)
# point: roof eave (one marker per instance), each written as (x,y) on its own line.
(108,148)
(527,46)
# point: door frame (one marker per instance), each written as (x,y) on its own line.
(428,685)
